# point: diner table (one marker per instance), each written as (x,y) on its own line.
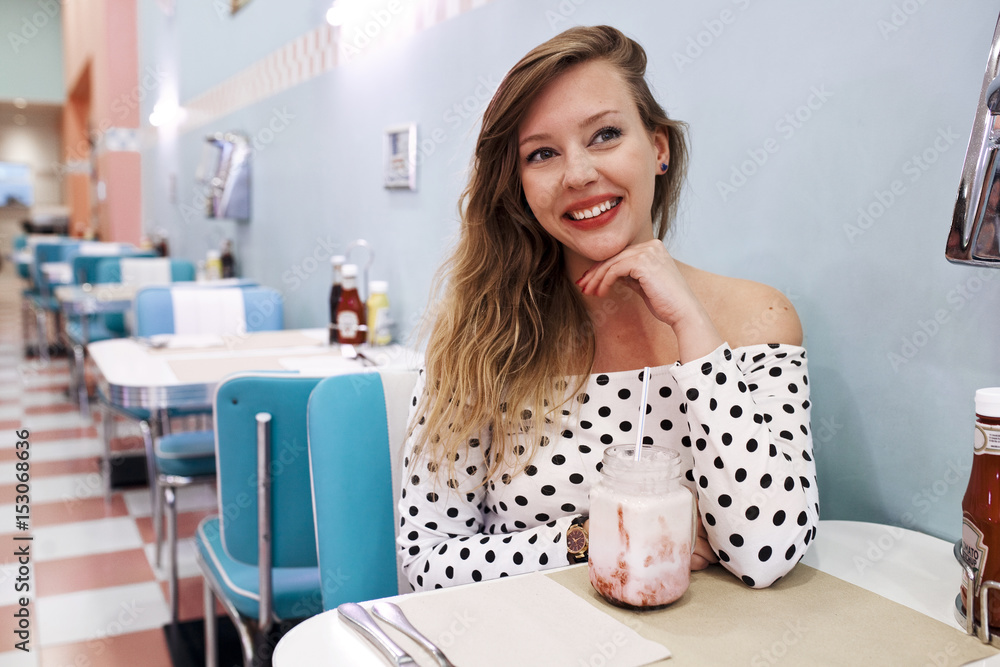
(864,594)
(179,371)
(169,372)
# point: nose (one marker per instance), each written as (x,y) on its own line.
(580,170)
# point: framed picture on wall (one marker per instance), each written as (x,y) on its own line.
(400,157)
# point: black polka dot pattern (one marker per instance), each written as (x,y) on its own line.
(738,418)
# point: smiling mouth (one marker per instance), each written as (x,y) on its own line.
(594,211)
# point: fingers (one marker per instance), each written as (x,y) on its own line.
(703,555)
(699,563)
(634,264)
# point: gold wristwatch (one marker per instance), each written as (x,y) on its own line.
(576,541)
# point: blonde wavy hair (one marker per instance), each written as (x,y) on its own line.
(510,327)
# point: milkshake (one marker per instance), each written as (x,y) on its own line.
(641,528)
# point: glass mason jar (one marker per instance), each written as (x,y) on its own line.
(641,528)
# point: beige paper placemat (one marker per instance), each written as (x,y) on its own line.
(263,340)
(807,618)
(538,622)
(260,340)
(203,371)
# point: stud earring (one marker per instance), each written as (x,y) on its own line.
(663,167)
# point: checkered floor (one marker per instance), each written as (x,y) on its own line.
(97,597)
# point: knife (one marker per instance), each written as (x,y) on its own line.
(394,616)
(356,615)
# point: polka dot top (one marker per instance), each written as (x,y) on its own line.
(739,418)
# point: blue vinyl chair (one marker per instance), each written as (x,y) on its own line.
(259,555)
(20,243)
(154,308)
(85,266)
(82,330)
(357,424)
(179,459)
(41,298)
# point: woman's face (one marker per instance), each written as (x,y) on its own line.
(588,164)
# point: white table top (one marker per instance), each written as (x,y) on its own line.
(907,567)
(133,373)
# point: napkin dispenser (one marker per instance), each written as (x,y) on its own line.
(225,171)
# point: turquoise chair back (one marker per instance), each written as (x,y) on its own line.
(45,252)
(351,452)
(238,400)
(109,270)
(20,243)
(85,266)
(154,310)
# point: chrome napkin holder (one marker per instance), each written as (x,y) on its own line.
(967,620)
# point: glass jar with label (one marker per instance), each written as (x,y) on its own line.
(641,530)
(981,506)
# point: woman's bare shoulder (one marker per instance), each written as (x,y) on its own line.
(745,312)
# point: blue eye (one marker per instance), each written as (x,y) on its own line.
(540,154)
(606,134)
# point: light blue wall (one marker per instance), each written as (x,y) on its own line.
(893,434)
(31,54)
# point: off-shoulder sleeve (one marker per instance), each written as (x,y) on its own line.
(446,537)
(748,411)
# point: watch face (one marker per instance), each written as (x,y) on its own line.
(576,539)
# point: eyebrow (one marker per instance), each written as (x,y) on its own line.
(587,121)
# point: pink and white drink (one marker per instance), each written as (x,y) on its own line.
(641,528)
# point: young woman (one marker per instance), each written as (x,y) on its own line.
(558,293)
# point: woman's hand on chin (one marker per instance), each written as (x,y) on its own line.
(649,270)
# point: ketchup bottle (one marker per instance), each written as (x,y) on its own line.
(337,262)
(227,260)
(981,505)
(351,325)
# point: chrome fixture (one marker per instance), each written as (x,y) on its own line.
(975,225)
(225,171)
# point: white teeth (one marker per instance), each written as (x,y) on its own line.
(586,214)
